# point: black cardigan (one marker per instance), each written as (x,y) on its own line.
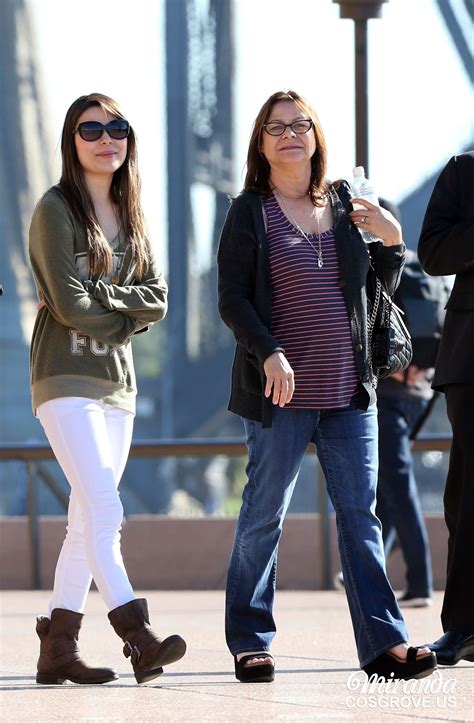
(245,296)
(446,246)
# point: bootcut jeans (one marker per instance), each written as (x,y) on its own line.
(346,442)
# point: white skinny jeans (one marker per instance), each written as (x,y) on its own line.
(91,441)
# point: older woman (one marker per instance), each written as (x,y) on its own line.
(292,288)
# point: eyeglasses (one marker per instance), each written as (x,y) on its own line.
(117,129)
(299,127)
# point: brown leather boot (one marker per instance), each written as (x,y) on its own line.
(147,652)
(59,658)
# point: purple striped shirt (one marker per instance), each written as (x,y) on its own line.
(309,316)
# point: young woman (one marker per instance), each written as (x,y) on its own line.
(98,285)
(292,287)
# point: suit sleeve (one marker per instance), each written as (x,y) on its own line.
(446,244)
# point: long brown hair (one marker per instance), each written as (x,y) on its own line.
(257,178)
(124,191)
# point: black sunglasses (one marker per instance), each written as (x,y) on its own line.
(92,130)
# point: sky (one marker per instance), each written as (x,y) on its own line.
(420,110)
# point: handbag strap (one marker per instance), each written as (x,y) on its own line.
(379,298)
(370,327)
(373,315)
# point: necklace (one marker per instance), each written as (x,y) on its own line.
(318,251)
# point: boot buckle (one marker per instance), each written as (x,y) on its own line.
(127,649)
(132,651)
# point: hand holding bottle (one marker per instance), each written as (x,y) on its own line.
(373,222)
(363,189)
(376,221)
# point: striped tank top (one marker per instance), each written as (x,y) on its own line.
(309,316)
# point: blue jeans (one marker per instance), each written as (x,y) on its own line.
(346,441)
(398,504)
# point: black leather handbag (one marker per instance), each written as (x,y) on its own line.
(389,341)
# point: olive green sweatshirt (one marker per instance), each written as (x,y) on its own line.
(81,338)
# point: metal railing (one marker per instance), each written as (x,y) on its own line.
(30,453)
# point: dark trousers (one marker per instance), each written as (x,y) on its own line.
(398,504)
(458,606)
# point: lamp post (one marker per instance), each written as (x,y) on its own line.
(360,11)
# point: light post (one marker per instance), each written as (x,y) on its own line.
(360,11)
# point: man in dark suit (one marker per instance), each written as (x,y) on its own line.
(446,246)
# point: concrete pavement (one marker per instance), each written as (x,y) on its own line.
(316,677)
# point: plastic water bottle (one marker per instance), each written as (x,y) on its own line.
(362,188)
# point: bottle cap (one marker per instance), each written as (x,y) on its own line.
(358,171)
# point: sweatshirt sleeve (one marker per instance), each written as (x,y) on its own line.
(145,302)
(51,247)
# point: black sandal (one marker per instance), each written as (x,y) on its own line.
(264,673)
(390,667)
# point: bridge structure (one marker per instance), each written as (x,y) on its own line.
(189,397)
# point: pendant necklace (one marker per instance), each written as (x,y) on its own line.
(287,210)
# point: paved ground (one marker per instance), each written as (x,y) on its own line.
(315,659)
